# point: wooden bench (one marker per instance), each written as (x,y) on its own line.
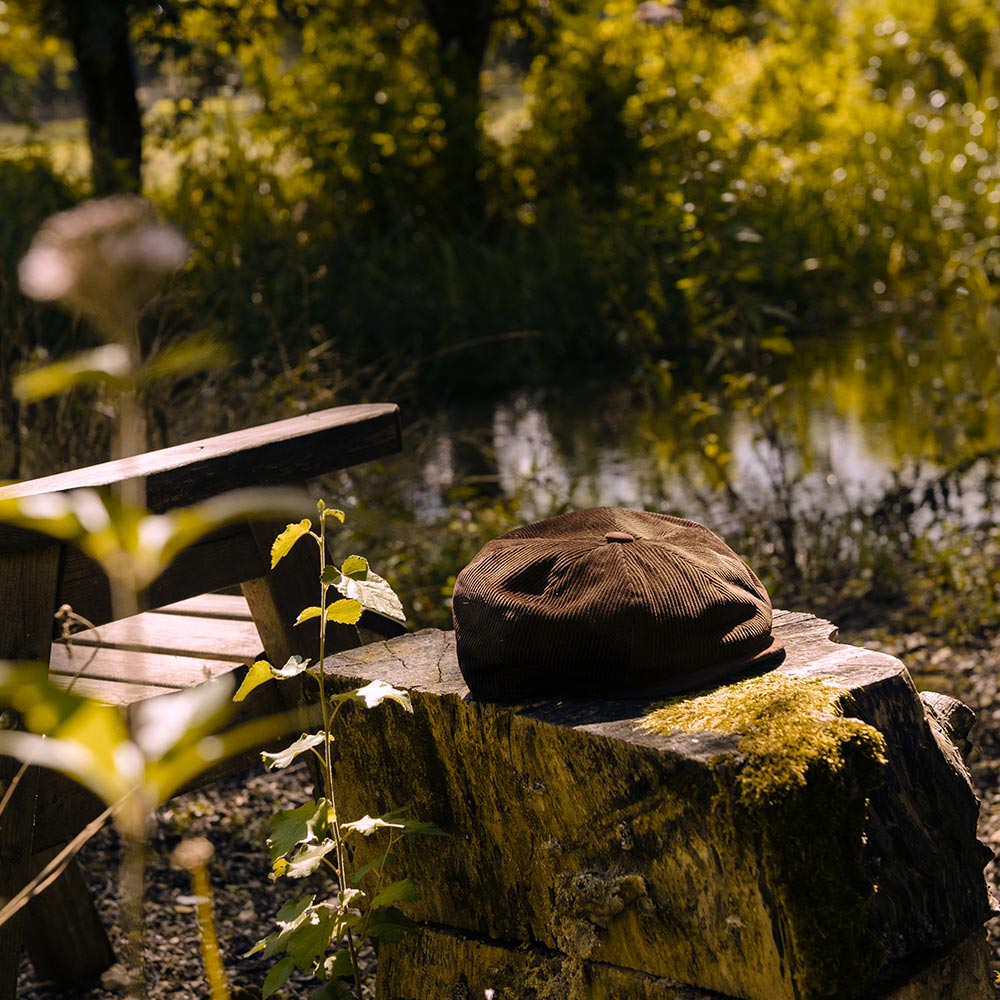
(185,634)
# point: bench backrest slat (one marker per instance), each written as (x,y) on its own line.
(280,453)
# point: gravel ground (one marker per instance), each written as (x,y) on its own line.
(234,815)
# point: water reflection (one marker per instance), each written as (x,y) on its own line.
(851,417)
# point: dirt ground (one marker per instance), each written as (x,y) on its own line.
(234,817)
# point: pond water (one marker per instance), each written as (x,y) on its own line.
(840,421)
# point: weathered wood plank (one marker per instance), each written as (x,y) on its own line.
(281,452)
(28,584)
(211,606)
(177,635)
(225,559)
(125,666)
(58,952)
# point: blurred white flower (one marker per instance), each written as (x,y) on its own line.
(104,259)
(659,14)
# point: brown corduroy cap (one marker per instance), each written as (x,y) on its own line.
(608,602)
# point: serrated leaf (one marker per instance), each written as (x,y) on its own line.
(288,918)
(277,976)
(308,859)
(312,937)
(259,673)
(356,567)
(284,542)
(330,575)
(337,515)
(304,825)
(307,613)
(373,593)
(282,758)
(376,692)
(346,612)
(403,891)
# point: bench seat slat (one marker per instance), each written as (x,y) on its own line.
(112,692)
(180,635)
(233,606)
(126,666)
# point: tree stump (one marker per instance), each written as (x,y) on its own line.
(805,834)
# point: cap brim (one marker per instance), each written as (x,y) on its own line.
(513,686)
(766,659)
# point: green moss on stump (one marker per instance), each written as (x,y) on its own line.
(800,792)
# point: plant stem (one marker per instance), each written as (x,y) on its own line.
(327,755)
(133,894)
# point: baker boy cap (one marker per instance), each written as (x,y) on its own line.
(608,602)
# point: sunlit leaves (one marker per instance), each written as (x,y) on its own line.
(357,581)
(277,976)
(306,824)
(401,891)
(258,674)
(107,364)
(376,692)
(367,825)
(286,540)
(130,543)
(282,758)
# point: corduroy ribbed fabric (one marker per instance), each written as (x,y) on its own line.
(608,602)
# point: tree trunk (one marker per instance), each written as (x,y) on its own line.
(463,27)
(99,33)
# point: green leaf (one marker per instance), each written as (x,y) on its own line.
(108,364)
(356,567)
(186,357)
(307,613)
(373,593)
(308,859)
(304,825)
(332,989)
(339,965)
(161,724)
(282,758)
(389,924)
(346,612)
(777,345)
(259,673)
(330,575)
(376,865)
(403,891)
(290,917)
(376,692)
(284,542)
(277,976)
(312,937)
(337,515)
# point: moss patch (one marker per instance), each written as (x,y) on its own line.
(800,793)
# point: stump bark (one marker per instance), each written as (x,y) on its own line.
(821,854)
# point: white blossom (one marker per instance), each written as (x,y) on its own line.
(104,259)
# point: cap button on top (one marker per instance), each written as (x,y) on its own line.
(619,536)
